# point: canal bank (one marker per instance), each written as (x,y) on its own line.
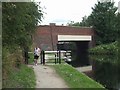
(106,70)
(74,78)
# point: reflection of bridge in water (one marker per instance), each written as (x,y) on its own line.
(85,68)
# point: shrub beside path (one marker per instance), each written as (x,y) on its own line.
(46,77)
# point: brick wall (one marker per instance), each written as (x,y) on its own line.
(46,36)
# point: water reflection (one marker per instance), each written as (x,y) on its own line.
(80,60)
(106,70)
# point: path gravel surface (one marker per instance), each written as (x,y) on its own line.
(46,77)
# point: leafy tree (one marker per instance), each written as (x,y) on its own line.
(84,23)
(118,24)
(70,23)
(118,32)
(19,22)
(103,21)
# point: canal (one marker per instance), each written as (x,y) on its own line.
(105,69)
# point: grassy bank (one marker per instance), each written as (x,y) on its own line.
(74,78)
(23,77)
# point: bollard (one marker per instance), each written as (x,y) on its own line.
(43,57)
(26,55)
(55,58)
(59,53)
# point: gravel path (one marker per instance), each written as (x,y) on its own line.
(46,77)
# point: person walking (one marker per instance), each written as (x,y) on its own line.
(36,55)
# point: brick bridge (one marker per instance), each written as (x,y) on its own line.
(48,36)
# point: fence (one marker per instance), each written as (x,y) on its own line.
(57,56)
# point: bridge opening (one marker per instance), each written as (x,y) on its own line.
(79,52)
(78,45)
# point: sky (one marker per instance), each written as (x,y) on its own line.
(64,11)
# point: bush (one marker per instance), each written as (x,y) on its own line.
(20,78)
(10,61)
(105,49)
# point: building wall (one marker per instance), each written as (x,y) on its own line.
(46,36)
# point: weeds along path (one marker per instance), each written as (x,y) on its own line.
(46,77)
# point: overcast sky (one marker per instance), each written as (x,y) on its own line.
(64,11)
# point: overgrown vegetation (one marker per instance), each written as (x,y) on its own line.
(75,79)
(108,49)
(23,77)
(19,20)
(31,58)
(106,70)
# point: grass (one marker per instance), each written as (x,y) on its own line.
(75,79)
(21,78)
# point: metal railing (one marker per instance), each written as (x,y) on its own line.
(56,55)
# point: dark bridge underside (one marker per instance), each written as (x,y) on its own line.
(79,52)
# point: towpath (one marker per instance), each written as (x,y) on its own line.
(46,77)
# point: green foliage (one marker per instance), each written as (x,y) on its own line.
(86,22)
(106,49)
(10,61)
(74,78)
(112,59)
(19,20)
(106,69)
(31,58)
(22,78)
(72,23)
(103,20)
(118,25)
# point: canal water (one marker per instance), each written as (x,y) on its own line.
(105,68)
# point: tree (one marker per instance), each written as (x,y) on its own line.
(84,23)
(118,25)
(103,21)
(19,22)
